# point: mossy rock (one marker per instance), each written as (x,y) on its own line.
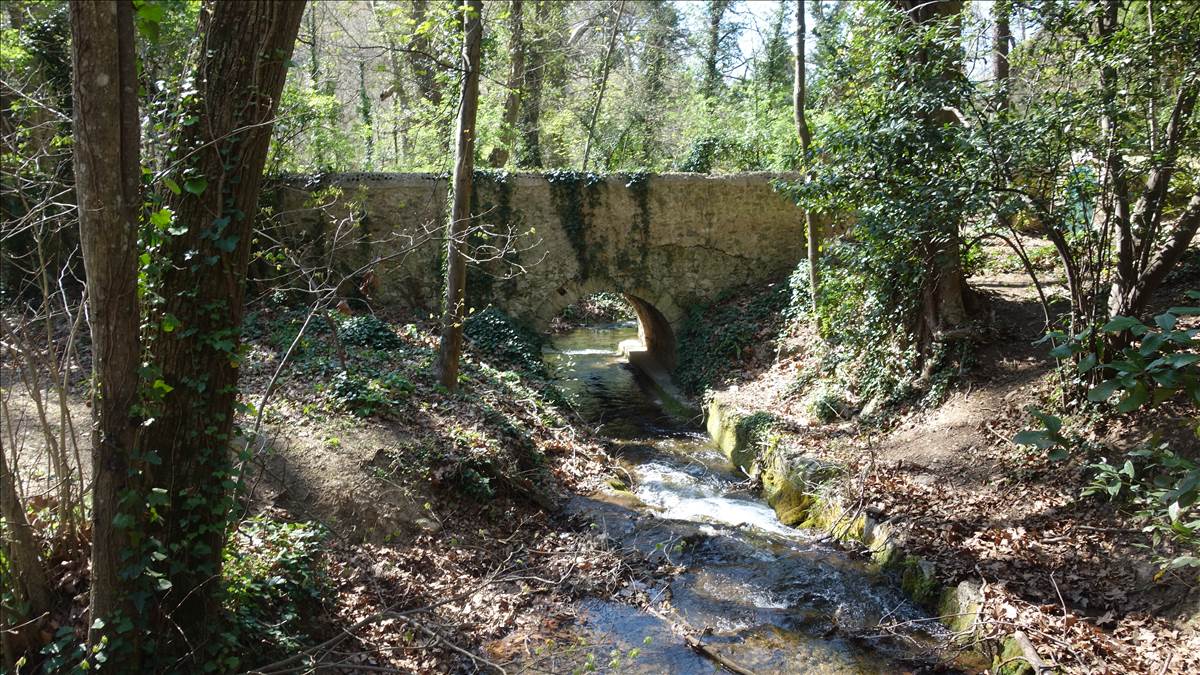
(959,605)
(1013,659)
(735,435)
(919,581)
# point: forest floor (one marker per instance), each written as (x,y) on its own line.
(1076,574)
(442,549)
(439,544)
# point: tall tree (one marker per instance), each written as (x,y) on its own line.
(516,81)
(1001,37)
(714,38)
(811,224)
(450,349)
(530,156)
(424,59)
(107,186)
(943,294)
(1147,246)
(660,36)
(158,542)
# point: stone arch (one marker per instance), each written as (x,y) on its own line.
(657,314)
(655,330)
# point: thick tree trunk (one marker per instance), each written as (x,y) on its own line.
(460,213)
(512,98)
(812,225)
(107,173)
(943,305)
(239,80)
(530,156)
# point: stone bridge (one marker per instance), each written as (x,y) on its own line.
(666,241)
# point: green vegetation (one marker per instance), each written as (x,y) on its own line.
(199,370)
(275,581)
(715,336)
(1159,485)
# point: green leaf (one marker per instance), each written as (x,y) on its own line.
(1122,323)
(1086,363)
(1134,399)
(196,186)
(1062,351)
(1058,454)
(1165,321)
(1181,360)
(150,11)
(1183,561)
(1052,423)
(161,218)
(1039,439)
(172,185)
(169,323)
(163,387)
(1103,391)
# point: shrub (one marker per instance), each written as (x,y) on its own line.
(365,395)
(368,331)
(274,576)
(715,336)
(496,335)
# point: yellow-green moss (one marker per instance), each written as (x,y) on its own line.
(919,582)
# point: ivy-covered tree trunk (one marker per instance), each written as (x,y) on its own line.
(530,156)
(194,341)
(450,349)
(712,47)
(107,185)
(943,304)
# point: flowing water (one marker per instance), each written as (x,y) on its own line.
(772,598)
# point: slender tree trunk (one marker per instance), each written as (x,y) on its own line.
(612,42)
(26,572)
(450,348)
(364,109)
(1001,36)
(535,75)
(516,77)
(107,186)
(239,79)
(812,225)
(401,145)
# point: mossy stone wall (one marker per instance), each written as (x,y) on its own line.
(672,240)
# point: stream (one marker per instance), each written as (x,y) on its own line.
(771,598)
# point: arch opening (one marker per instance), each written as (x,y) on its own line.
(658,339)
(655,346)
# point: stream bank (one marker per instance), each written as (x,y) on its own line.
(934,488)
(759,593)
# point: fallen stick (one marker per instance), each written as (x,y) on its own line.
(1031,655)
(713,655)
